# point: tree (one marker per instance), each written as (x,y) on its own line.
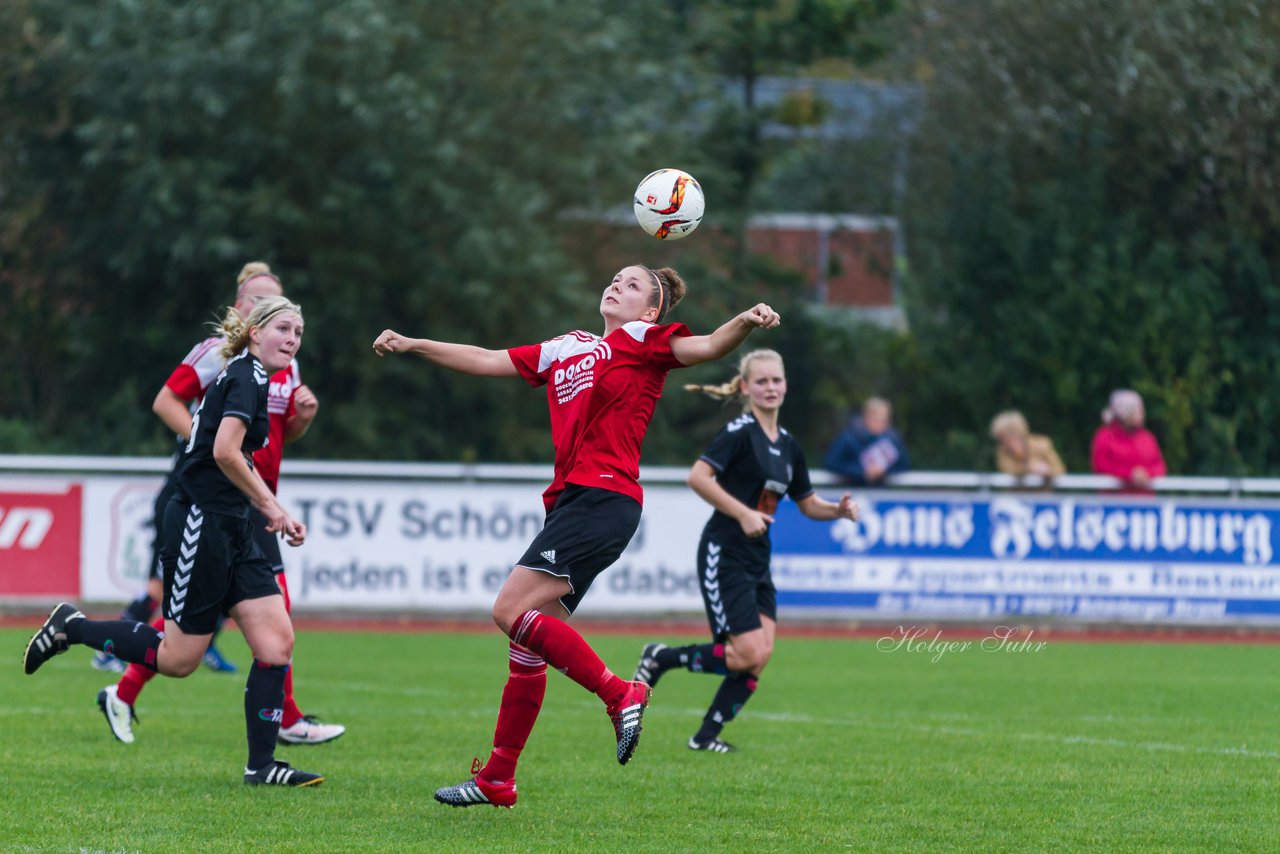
(1092,205)
(395,162)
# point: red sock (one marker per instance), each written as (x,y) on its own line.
(521,702)
(132,681)
(566,651)
(292,714)
(135,675)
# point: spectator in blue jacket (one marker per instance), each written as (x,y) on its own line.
(869,449)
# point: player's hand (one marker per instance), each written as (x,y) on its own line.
(305,403)
(848,509)
(754,523)
(762,316)
(391,341)
(294,533)
(280,522)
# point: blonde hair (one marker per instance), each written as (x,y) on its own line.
(668,289)
(1009,421)
(733,388)
(235,329)
(254,270)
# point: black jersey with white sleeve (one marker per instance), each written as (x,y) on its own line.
(240,391)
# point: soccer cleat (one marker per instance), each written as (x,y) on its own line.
(648,670)
(119,714)
(714,745)
(214,661)
(108,663)
(51,640)
(308,730)
(627,717)
(475,792)
(280,774)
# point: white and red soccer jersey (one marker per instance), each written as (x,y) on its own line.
(284,384)
(191,379)
(601,392)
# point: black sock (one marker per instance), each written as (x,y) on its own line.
(125,639)
(217,630)
(730,697)
(263,709)
(698,658)
(139,610)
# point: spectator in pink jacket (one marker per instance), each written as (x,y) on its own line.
(1126,449)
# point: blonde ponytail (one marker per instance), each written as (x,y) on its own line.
(734,387)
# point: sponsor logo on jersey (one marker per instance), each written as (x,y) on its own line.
(573,379)
(550,555)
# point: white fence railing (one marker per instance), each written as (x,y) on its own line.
(514,472)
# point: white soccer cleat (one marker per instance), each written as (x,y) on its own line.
(119,714)
(310,731)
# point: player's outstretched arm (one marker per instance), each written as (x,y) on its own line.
(696,349)
(463,358)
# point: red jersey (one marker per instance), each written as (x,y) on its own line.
(280,391)
(601,392)
(198,370)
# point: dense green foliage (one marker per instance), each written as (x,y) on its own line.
(1087,192)
(1092,205)
(399,164)
(1076,747)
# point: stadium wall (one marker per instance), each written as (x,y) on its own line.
(440,538)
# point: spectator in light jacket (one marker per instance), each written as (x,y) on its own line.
(1020,452)
(869,449)
(1124,448)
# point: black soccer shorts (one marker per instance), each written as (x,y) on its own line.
(737,587)
(585,532)
(211,564)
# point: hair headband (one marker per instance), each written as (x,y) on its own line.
(657,280)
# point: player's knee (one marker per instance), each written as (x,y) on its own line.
(503,619)
(276,650)
(751,658)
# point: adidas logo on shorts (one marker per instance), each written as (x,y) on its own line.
(550,555)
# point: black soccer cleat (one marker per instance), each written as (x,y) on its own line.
(51,640)
(280,774)
(713,745)
(648,670)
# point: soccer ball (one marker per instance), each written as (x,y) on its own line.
(669,204)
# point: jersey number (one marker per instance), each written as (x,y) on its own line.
(195,425)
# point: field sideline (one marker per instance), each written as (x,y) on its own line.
(851,744)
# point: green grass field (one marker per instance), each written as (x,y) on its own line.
(1077,747)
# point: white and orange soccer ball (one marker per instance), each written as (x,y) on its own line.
(669,204)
